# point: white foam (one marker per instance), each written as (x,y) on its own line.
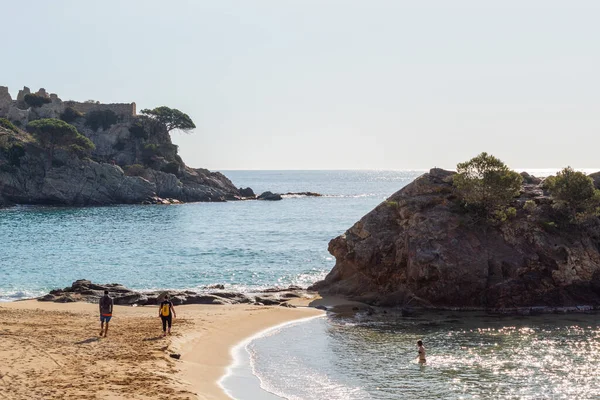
(242,360)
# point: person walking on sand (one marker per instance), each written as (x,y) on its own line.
(421,352)
(166,312)
(106,309)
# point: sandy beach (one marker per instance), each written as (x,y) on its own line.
(52,350)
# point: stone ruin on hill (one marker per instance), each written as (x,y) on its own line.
(20,113)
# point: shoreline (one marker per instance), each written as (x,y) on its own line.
(54,351)
(242,369)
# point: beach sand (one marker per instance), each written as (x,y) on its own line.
(52,350)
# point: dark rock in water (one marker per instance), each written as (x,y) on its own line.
(306,194)
(247,193)
(321,308)
(417,248)
(269,196)
(218,286)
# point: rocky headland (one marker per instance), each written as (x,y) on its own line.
(420,248)
(132,160)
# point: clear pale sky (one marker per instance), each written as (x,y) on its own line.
(322,84)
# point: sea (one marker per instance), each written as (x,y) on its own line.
(252,245)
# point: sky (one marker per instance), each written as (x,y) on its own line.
(324,84)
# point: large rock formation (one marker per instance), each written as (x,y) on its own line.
(420,248)
(131,162)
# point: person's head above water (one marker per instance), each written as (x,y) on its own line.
(419,343)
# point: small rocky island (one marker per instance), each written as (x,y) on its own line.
(55,152)
(423,248)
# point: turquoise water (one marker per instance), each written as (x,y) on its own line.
(244,245)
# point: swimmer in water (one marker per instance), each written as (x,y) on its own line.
(421,352)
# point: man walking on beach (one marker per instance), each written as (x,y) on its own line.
(106,309)
(166,312)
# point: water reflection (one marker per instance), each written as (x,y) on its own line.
(469,356)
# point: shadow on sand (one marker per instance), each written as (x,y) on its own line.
(153,338)
(90,340)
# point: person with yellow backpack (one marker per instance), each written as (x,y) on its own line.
(166,312)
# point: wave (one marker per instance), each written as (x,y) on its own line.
(20,295)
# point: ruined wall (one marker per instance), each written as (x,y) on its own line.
(125,110)
(5,101)
(19,110)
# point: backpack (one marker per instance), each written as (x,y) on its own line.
(165,309)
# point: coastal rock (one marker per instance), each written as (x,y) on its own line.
(530,179)
(302,194)
(130,164)
(85,290)
(417,249)
(247,193)
(269,196)
(268,301)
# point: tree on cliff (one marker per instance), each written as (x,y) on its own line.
(574,192)
(486,183)
(52,133)
(172,118)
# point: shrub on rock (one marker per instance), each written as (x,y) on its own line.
(574,193)
(70,114)
(100,118)
(485,183)
(36,100)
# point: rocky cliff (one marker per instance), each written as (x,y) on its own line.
(131,162)
(420,248)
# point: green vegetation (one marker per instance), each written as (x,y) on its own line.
(52,133)
(486,184)
(149,152)
(70,114)
(36,100)
(574,194)
(171,168)
(13,153)
(171,118)
(529,206)
(391,203)
(100,118)
(134,170)
(8,125)
(138,129)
